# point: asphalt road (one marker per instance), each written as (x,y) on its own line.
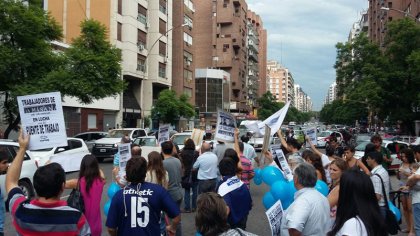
(257,220)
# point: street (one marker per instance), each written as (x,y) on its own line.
(257,220)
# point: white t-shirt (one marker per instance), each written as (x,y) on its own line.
(353,227)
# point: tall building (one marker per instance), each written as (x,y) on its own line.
(252,76)
(257,24)
(220,30)
(332,94)
(360,26)
(302,101)
(383,11)
(143,31)
(281,82)
(183,63)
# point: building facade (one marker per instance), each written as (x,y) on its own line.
(332,94)
(383,11)
(281,83)
(302,101)
(220,30)
(143,31)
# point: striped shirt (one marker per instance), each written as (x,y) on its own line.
(247,171)
(377,184)
(46,219)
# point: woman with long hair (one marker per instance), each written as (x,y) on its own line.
(189,182)
(357,209)
(91,183)
(407,158)
(316,162)
(156,173)
(337,168)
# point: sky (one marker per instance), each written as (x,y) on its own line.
(302,35)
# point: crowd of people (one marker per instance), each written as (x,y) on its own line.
(215,186)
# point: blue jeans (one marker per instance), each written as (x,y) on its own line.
(416,215)
(187,197)
(2,215)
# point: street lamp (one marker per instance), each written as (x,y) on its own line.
(397,10)
(146,63)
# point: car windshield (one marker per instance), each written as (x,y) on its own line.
(150,142)
(42,150)
(362,138)
(117,133)
(361,147)
(324,134)
(179,139)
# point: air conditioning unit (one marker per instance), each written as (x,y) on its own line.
(146,25)
(165,59)
(193,9)
(140,46)
(188,63)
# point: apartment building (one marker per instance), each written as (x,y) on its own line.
(252,77)
(261,33)
(143,31)
(183,63)
(302,101)
(383,11)
(281,83)
(332,94)
(220,30)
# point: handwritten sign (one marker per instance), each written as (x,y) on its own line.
(42,118)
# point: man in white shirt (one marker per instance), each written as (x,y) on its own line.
(414,182)
(249,151)
(310,211)
(374,160)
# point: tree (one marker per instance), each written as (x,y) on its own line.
(268,105)
(89,69)
(169,108)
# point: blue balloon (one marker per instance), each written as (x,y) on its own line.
(106,207)
(286,204)
(113,188)
(258,172)
(257,180)
(271,174)
(280,191)
(395,210)
(322,187)
(268,200)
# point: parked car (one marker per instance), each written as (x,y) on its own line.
(360,138)
(322,138)
(69,157)
(91,137)
(147,144)
(108,146)
(29,167)
(392,145)
(179,139)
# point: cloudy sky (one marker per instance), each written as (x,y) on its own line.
(302,35)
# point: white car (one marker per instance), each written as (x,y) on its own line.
(69,157)
(147,144)
(393,146)
(323,137)
(179,139)
(28,168)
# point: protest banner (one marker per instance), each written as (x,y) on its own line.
(163,133)
(274,215)
(124,151)
(225,129)
(267,137)
(311,133)
(197,136)
(274,122)
(42,118)
(281,161)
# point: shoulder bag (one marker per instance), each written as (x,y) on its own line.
(391,222)
(75,199)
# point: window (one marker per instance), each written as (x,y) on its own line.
(189,4)
(187,58)
(162,48)
(187,39)
(119,29)
(92,121)
(188,92)
(225,47)
(141,38)
(188,77)
(162,6)
(188,21)
(120,7)
(141,63)
(142,15)
(162,26)
(162,70)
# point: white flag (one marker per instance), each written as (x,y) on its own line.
(275,120)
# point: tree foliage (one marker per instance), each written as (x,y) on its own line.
(169,107)
(383,82)
(269,106)
(89,69)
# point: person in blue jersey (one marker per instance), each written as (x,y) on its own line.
(135,209)
(235,193)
